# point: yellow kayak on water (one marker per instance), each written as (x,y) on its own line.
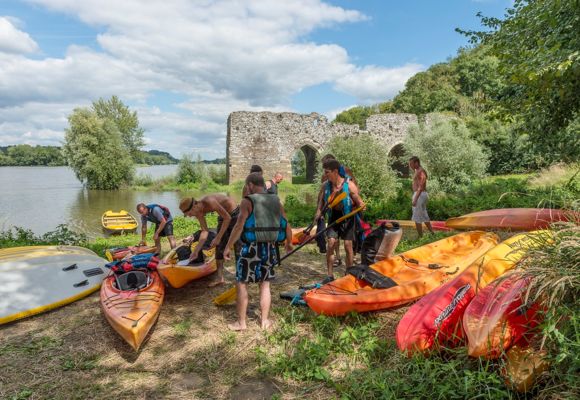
(118,222)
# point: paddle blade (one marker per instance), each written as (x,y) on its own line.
(227,297)
(337,199)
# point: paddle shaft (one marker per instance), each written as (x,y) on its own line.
(338,221)
(333,200)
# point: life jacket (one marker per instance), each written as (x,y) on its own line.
(151,218)
(346,202)
(139,261)
(266,223)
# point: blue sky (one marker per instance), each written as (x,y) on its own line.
(185,65)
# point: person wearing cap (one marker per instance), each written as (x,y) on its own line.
(272,185)
(227,211)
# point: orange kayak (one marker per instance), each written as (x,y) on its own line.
(436,318)
(414,273)
(118,253)
(514,219)
(180,275)
(132,313)
(298,235)
(436,225)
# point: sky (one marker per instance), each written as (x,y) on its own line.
(185,65)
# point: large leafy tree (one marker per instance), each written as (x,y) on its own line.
(95,151)
(538,46)
(126,121)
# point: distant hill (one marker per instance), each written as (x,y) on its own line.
(156,157)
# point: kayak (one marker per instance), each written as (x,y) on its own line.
(298,235)
(514,219)
(436,318)
(118,253)
(180,275)
(42,278)
(436,225)
(118,222)
(132,313)
(523,366)
(413,274)
(499,316)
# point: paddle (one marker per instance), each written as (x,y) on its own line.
(332,202)
(230,295)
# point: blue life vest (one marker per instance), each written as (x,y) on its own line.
(346,202)
(151,218)
(265,224)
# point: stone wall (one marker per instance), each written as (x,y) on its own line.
(270,139)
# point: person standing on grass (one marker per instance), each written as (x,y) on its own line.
(272,184)
(420,196)
(335,184)
(161,217)
(261,224)
(253,169)
(227,211)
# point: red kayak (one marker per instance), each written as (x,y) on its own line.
(436,225)
(436,318)
(500,316)
(513,219)
(118,253)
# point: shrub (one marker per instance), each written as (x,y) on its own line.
(192,172)
(447,152)
(370,164)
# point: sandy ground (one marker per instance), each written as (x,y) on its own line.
(73,353)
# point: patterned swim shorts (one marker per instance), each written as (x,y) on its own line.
(256,263)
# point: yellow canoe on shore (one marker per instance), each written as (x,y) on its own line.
(118,222)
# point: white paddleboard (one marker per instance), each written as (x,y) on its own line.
(33,285)
(26,252)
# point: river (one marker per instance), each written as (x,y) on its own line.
(40,198)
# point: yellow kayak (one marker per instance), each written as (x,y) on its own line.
(180,275)
(118,222)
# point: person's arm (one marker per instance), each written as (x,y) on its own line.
(268,184)
(143,231)
(353,189)
(215,205)
(202,237)
(422,183)
(288,242)
(245,207)
(162,222)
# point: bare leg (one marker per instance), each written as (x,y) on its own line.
(241,307)
(158,246)
(220,274)
(428,224)
(265,301)
(349,253)
(338,249)
(332,243)
(419,229)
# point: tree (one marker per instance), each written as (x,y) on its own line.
(95,151)
(538,47)
(448,153)
(126,121)
(368,160)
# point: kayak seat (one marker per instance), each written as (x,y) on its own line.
(132,280)
(371,276)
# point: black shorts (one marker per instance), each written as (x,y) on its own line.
(344,230)
(219,251)
(167,229)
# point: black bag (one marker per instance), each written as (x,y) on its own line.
(371,276)
(184,252)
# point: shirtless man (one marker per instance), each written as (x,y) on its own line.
(420,196)
(228,212)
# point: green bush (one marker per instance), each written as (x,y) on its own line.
(447,152)
(368,160)
(189,171)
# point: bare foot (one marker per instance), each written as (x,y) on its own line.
(216,283)
(267,325)
(236,326)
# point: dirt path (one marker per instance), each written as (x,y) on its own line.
(73,353)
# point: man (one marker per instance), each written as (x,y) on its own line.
(161,217)
(262,223)
(272,184)
(420,196)
(334,184)
(227,211)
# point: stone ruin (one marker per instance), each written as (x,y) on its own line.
(270,139)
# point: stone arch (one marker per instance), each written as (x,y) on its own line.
(400,165)
(311,156)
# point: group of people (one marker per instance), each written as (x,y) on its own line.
(255,227)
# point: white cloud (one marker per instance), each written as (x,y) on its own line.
(220,56)
(373,83)
(13,40)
